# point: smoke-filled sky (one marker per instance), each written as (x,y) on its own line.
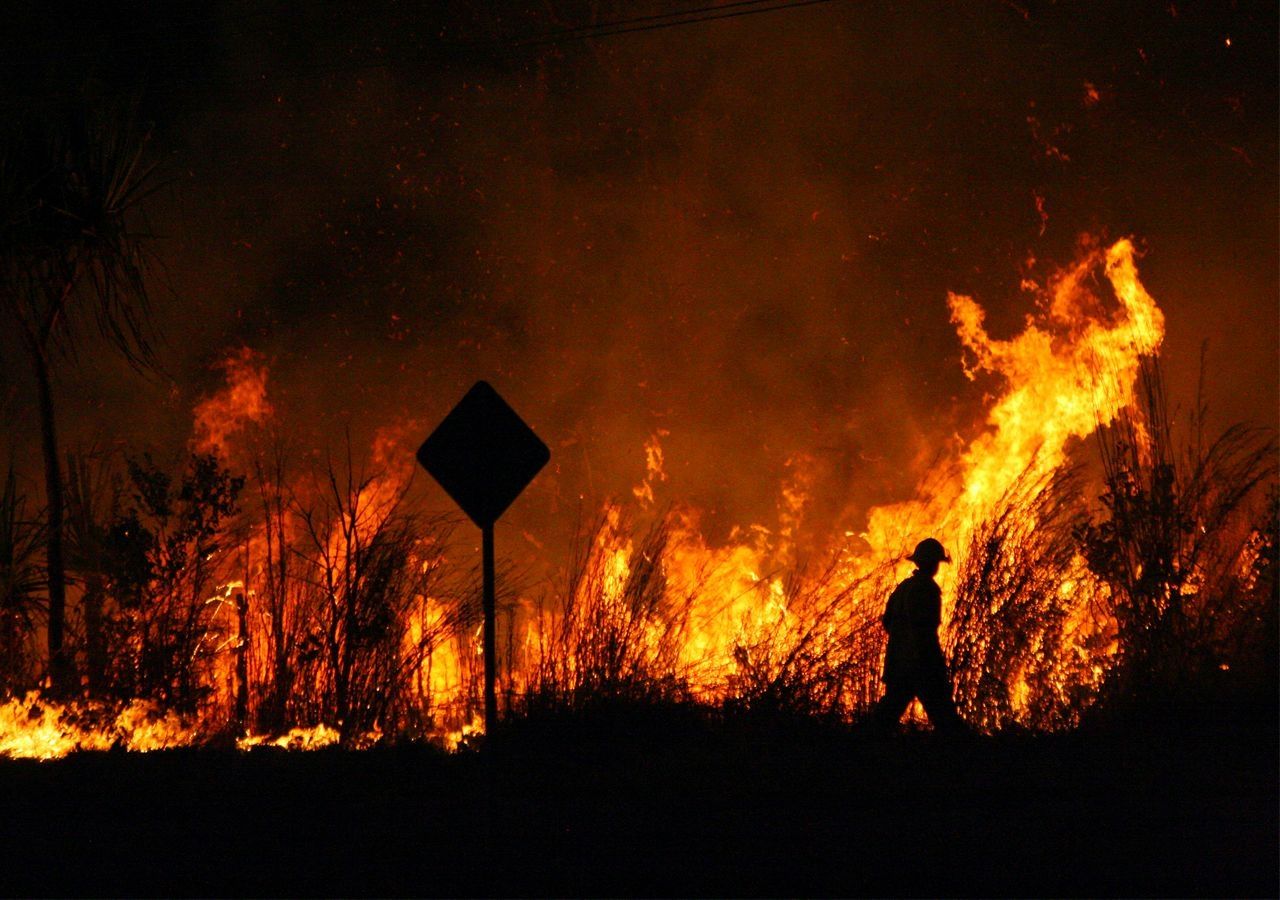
(738,234)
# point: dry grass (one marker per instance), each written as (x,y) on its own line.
(351,604)
(1181,542)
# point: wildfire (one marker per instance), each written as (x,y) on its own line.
(1069,372)
(298,739)
(243,401)
(31,728)
(736,619)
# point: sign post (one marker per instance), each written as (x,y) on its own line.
(490,627)
(484,455)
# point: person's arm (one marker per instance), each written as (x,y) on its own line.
(890,610)
(935,607)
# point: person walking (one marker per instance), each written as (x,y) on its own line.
(913,664)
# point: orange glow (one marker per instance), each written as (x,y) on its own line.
(243,401)
(727,617)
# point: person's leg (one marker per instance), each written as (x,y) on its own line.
(935,696)
(896,699)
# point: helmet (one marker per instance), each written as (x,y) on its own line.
(929,551)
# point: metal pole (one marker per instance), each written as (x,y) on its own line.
(490,652)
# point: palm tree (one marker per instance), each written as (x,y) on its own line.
(92,504)
(72,261)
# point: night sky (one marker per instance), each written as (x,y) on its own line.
(737,233)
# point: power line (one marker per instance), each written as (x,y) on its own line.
(651,22)
(534,39)
(599,29)
(689,17)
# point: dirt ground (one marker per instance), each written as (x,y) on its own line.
(661,803)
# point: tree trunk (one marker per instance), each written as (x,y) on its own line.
(59,665)
(242,663)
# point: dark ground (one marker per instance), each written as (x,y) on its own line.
(663,803)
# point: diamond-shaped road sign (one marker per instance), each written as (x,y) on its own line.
(483,454)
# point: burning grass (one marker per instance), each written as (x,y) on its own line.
(32,728)
(302,605)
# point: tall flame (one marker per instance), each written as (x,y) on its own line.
(1072,369)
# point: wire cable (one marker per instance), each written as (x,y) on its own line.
(652,22)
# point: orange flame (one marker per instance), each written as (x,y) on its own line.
(1072,369)
(242,402)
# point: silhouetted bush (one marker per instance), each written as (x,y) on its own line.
(1187,563)
(614,631)
(819,656)
(164,553)
(1025,645)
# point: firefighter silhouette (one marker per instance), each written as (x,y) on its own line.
(913,664)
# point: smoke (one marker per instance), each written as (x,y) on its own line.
(741,234)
